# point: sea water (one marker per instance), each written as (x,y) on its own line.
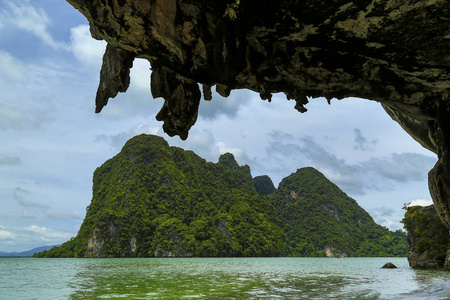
(218,278)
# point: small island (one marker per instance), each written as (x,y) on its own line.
(428,238)
(153,200)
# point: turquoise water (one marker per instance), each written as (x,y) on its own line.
(218,278)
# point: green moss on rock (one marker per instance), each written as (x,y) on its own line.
(153,200)
(428,238)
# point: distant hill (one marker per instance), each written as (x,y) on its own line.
(264,185)
(27,253)
(153,200)
(156,200)
(321,220)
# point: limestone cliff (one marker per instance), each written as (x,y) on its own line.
(428,238)
(153,200)
(264,185)
(396,52)
(319,219)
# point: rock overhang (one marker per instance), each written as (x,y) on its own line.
(394,52)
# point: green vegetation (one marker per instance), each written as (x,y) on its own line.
(155,200)
(264,185)
(319,219)
(429,238)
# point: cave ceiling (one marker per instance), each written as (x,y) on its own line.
(396,52)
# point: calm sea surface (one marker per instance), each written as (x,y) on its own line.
(218,278)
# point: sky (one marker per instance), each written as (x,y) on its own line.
(52,141)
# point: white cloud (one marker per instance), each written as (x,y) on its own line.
(354,178)
(44,234)
(13,70)
(28,209)
(86,49)
(140,75)
(28,237)
(6,235)
(210,110)
(22,88)
(224,148)
(12,118)
(306,151)
(26,17)
(117,141)
(240,154)
(137,103)
(201,141)
(361,142)
(401,167)
(387,217)
(421,202)
(36,93)
(71,215)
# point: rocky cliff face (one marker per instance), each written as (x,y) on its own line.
(392,51)
(428,239)
(264,185)
(153,200)
(319,219)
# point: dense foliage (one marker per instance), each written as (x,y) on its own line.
(319,219)
(264,185)
(428,236)
(155,200)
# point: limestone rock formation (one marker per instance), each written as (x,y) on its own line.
(264,185)
(396,52)
(428,238)
(319,219)
(153,200)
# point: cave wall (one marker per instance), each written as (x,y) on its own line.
(396,52)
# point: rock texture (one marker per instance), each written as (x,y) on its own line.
(153,200)
(392,51)
(319,219)
(428,239)
(389,265)
(331,252)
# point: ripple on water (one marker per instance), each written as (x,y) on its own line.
(219,278)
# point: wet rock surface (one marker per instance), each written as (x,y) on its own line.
(389,265)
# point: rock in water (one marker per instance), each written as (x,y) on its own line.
(389,265)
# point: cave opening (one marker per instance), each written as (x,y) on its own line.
(351,141)
(392,52)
